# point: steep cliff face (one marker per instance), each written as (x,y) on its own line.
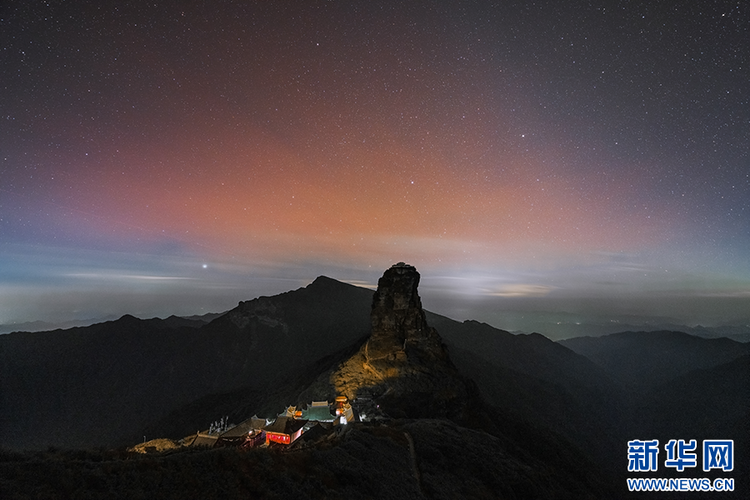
(398,321)
(404,364)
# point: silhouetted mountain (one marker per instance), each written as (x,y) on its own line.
(105,384)
(710,403)
(532,354)
(533,408)
(561,325)
(203,318)
(704,402)
(678,386)
(46,326)
(405,367)
(539,381)
(644,360)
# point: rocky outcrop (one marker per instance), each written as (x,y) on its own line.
(263,310)
(404,364)
(398,321)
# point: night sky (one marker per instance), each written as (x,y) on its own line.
(180,156)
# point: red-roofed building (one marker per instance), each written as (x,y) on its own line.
(285,430)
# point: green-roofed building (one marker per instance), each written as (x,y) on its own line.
(318,411)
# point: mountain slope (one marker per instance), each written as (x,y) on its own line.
(532,354)
(703,403)
(103,385)
(539,381)
(644,360)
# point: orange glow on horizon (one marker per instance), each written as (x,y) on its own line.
(259,196)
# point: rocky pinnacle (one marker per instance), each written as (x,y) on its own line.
(399,326)
(404,356)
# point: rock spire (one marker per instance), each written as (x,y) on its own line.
(399,326)
(404,363)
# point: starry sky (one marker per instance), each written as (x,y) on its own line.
(177,157)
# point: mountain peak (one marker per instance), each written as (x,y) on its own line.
(324,283)
(127,319)
(404,360)
(323,280)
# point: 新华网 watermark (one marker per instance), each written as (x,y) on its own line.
(716,454)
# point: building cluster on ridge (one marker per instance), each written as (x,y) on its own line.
(317,419)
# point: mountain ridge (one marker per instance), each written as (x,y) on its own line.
(111,383)
(643,360)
